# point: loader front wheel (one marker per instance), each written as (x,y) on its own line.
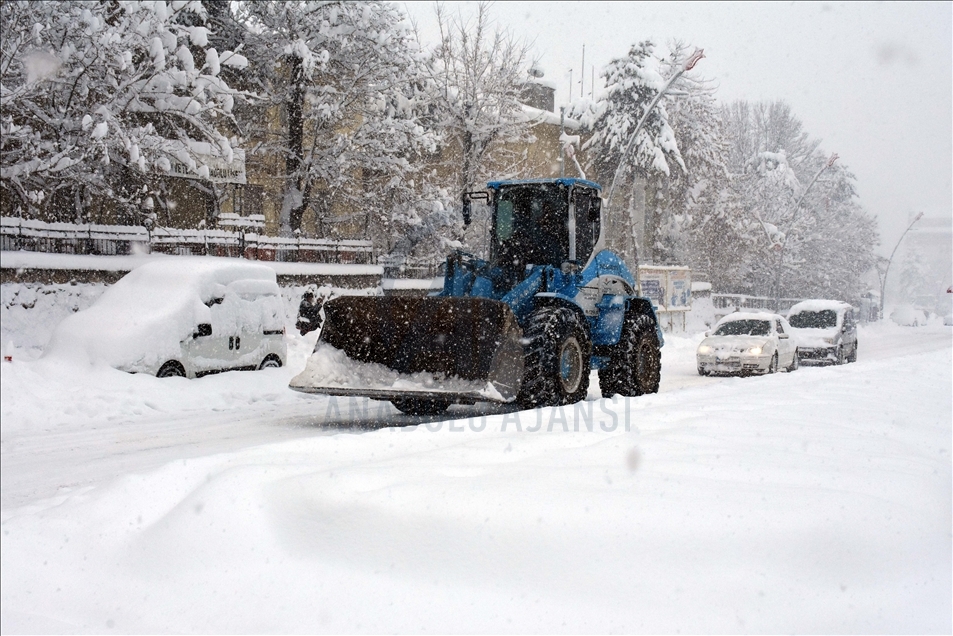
(635,367)
(418,406)
(557,351)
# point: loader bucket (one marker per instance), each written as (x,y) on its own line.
(450,349)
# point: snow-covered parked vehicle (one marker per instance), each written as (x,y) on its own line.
(181,316)
(826,331)
(745,343)
(909,316)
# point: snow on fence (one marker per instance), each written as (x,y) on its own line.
(71,238)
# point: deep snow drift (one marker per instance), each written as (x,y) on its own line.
(813,501)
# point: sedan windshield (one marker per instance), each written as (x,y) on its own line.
(814,319)
(744,328)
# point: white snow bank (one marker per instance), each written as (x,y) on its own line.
(816,501)
(29,313)
(141,320)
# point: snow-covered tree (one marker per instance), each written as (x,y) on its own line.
(344,80)
(698,221)
(477,75)
(813,239)
(475,80)
(632,83)
(97,99)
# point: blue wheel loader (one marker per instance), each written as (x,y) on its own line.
(526,326)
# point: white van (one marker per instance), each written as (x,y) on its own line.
(181,316)
(826,331)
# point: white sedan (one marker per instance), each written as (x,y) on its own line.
(744,343)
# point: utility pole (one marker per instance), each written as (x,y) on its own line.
(582,73)
(883,281)
(562,134)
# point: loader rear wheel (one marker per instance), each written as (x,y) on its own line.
(557,351)
(635,366)
(418,406)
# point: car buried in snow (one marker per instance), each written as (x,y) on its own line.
(747,343)
(826,331)
(181,316)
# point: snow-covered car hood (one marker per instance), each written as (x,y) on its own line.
(734,343)
(142,320)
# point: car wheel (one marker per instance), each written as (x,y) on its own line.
(702,371)
(270,362)
(419,406)
(853,354)
(773,366)
(171,369)
(841,355)
(795,362)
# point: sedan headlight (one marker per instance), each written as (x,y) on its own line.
(830,341)
(703,349)
(754,351)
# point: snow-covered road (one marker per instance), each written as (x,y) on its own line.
(813,501)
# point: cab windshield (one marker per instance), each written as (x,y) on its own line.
(744,328)
(824,319)
(530,226)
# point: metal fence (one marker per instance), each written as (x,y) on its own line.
(70,238)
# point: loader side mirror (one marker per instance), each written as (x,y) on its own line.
(469,196)
(595,209)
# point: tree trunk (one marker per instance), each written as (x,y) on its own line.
(295,154)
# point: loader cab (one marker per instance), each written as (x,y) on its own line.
(546,222)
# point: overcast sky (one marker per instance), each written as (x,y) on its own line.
(873,81)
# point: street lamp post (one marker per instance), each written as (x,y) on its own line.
(883,281)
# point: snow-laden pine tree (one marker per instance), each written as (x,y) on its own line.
(632,82)
(339,87)
(98,98)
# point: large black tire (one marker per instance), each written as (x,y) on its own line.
(635,365)
(557,355)
(773,365)
(853,354)
(171,369)
(418,406)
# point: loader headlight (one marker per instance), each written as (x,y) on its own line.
(703,349)
(754,351)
